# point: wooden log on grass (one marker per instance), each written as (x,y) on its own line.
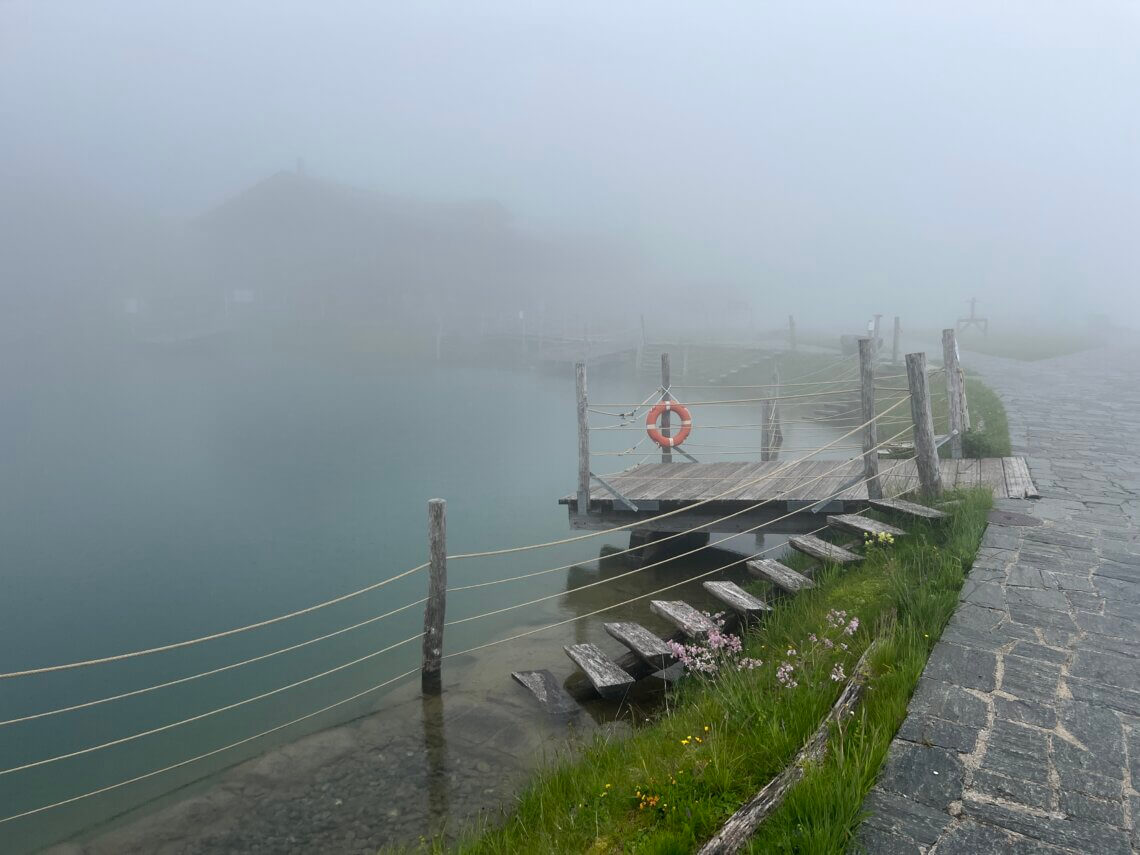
(743,824)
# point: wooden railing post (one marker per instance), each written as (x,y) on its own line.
(953,391)
(895,343)
(666,453)
(925,450)
(870,431)
(792,332)
(431,680)
(583,440)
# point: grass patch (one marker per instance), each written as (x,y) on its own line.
(672,783)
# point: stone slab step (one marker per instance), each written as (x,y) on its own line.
(605,675)
(736,598)
(644,643)
(908,509)
(863,525)
(683,616)
(811,545)
(779,575)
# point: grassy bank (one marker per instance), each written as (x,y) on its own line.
(672,783)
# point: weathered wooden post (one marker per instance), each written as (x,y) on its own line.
(895,343)
(666,453)
(766,441)
(953,391)
(792,332)
(875,332)
(870,431)
(583,440)
(925,451)
(431,680)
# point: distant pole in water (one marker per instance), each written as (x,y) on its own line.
(953,391)
(870,431)
(666,453)
(583,440)
(895,343)
(925,450)
(875,332)
(792,332)
(431,678)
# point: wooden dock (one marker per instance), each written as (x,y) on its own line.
(654,488)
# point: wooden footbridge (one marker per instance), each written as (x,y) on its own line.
(723,496)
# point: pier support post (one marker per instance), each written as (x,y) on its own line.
(875,332)
(953,391)
(583,440)
(792,332)
(895,343)
(430,677)
(925,451)
(870,431)
(666,453)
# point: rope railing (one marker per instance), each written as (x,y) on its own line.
(119,657)
(230,667)
(171,725)
(136,779)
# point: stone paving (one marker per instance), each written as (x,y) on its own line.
(1023,734)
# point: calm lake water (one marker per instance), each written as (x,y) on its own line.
(153,495)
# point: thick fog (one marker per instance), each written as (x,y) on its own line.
(608,159)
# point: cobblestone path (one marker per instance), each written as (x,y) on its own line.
(1024,733)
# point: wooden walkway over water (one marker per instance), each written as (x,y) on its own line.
(810,486)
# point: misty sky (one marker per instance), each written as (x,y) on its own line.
(914,152)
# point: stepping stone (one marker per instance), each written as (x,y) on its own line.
(683,616)
(779,575)
(909,509)
(549,692)
(610,680)
(863,525)
(644,643)
(811,545)
(736,598)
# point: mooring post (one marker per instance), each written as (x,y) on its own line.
(895,343)
(431,680)
(792,332)
(870,431)
(875,332)
(583,440)
(953,391)
(765,430)
(666,453)
(925,451)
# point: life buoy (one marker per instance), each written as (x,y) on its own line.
(661,408)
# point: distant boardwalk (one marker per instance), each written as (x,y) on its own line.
(1024,732)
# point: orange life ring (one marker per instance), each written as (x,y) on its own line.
(655,432)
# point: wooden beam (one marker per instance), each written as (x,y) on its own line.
(953,392)
(863,525)
(815,547)
(925,450)
(779,575)
(651,649)
(548,691)
(430,678)
(867,411)
(736,598)
(610,681)
(583,440)
(683,616)
(909,509)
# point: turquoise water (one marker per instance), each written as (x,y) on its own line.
(153,495)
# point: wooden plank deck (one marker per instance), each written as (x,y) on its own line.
(809,480)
